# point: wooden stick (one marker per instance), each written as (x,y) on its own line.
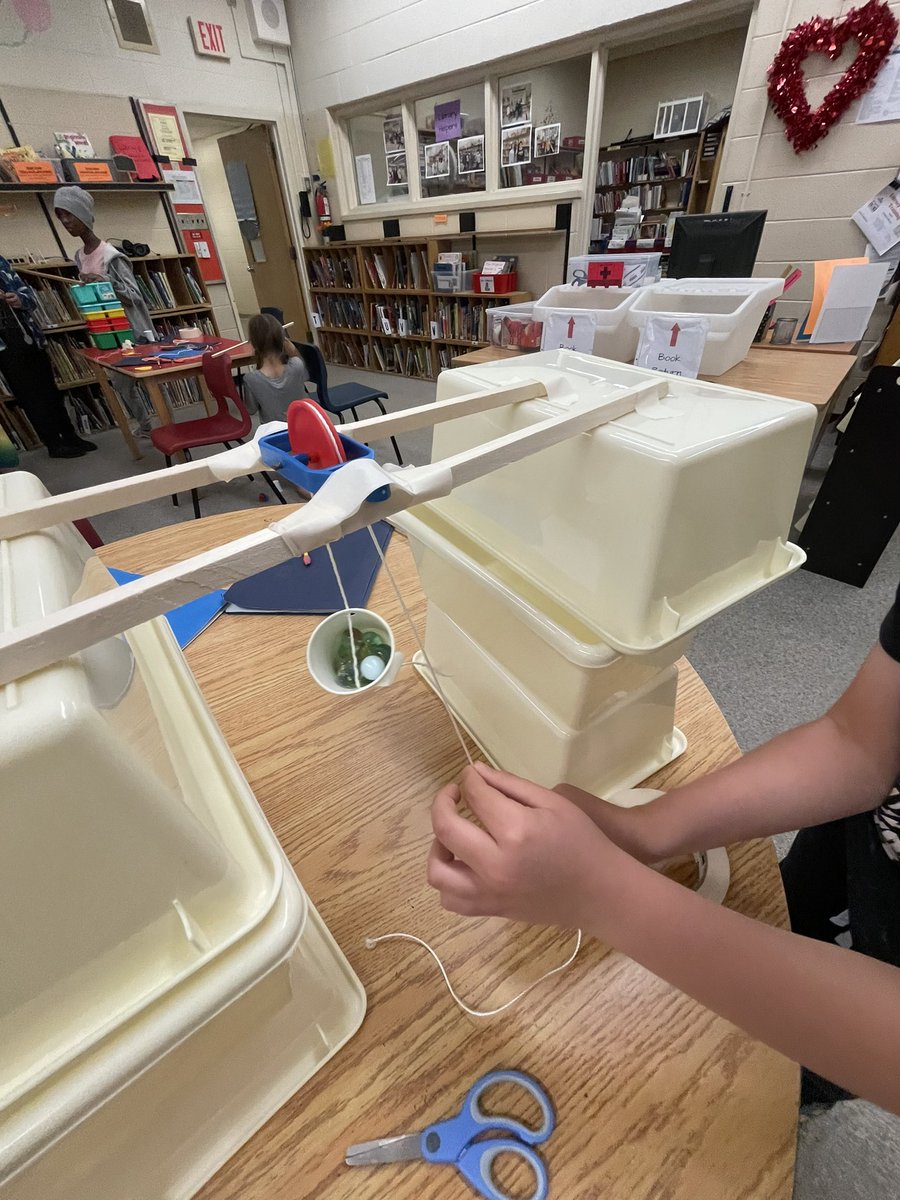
(108,497)
(245,342)
(41,643)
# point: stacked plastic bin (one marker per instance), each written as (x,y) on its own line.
(167,983)
(103,314)
(563,589)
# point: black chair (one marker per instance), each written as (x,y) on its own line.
(338,400)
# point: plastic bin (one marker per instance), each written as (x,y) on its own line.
(275,451)
(625,743)
(733,307)
(150,910)
(514,327)
(563,663)
(457,280)
(648,525)
(495,284)
(587,270)
(614,337)
(124,335)
(90,293)
(105,341)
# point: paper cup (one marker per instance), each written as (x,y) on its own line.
(321,646)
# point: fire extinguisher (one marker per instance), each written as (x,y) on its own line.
(323,205)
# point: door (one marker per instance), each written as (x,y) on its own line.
(250,165)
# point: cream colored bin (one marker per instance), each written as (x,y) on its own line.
(571,673)
(733,307)
(143,895)
(648,525)
(625,743)
(614,336)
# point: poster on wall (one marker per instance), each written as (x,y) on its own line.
(396,170)
(515,104)
(393,135)
(546,140)
(365,179)
(185,184)
(166,134)
(470,154)
(437,160)
(515,145)
(448,120)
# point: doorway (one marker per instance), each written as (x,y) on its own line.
(238,170)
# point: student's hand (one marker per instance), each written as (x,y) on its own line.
(637,830)
(13,299)
(535,857)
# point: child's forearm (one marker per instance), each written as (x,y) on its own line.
(799,996)
(804,777)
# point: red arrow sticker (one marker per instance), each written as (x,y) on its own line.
(676,329)
(571,332)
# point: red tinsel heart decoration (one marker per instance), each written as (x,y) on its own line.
(873,25)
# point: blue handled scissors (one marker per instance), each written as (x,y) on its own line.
(453,1141)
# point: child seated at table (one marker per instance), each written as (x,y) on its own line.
(281,374)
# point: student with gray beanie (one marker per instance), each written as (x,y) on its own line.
(99,262)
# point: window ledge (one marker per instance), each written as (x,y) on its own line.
(535,193)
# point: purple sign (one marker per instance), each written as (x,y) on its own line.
(447,120)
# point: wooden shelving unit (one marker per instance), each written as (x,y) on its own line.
(352,282)
(65,330)
(695,187)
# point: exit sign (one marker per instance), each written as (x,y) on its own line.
(209,38)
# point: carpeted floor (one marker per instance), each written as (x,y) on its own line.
(772,661)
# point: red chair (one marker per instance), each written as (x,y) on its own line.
(221,427)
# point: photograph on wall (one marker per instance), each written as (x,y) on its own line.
(546,140)
(515,104)
(515,145)
(437,160)
(396,170)
(393,135)
(470,155)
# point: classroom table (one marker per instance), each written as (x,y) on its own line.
(813,375)
(101,361)
(655,1096)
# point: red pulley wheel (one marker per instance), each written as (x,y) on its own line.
(310,432)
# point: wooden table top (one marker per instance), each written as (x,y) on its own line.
(655,1096)
(240,352)
(814,376)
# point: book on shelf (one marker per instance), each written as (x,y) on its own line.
(146,290)
(645,168)
(160,285)
(460,319)
(344,311)
(399,318)
(336,269)
(50,305)
(193,286)
(68,365)
(419,268)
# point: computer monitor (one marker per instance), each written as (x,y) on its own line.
(719,243)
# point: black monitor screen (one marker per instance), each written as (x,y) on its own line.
(718,244)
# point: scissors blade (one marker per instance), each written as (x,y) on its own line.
(405,1148)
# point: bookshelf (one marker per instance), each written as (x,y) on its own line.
(174,290)
(376,309)
(676,174)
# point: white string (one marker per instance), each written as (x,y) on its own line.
(371,943)
(419,642)
(340,584)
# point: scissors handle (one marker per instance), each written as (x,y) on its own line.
(445,1140)
(476,1161)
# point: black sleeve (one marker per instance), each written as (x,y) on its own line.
(890,630)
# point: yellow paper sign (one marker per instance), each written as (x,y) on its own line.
(167,135)
(325,155)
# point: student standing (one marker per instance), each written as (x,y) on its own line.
(26,367)
(100,262)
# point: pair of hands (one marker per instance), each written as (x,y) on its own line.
(13,299)
(548,857)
